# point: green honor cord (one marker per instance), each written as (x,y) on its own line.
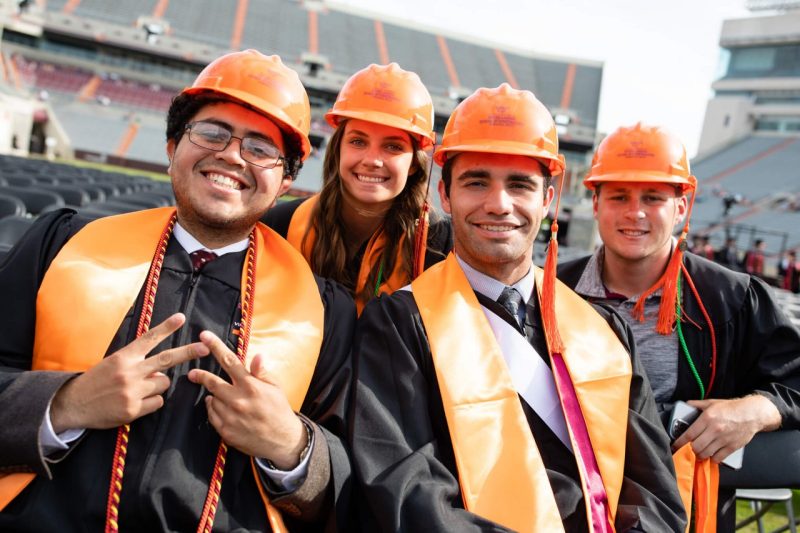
(378,283)
(683,341)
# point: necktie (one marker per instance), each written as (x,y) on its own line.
(200,258)
(512,301)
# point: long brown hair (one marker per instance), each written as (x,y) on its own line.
(329,255)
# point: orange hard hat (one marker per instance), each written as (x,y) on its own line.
(502,120)
(388,95)
(263,83)
(641,154)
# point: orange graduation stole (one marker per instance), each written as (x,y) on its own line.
(372,255)
(698,479)
(283,318)
(495,452)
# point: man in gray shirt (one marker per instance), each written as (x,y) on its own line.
(704,333)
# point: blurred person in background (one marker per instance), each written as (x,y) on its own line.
(754,259)
(728,255)
(371,227)
(788,272)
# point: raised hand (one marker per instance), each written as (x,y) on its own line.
(251,413)
(724,426)
(124,386)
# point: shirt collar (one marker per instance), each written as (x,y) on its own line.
(491,288)
(190,244)
(591,284)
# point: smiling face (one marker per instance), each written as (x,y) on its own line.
(374,163)
(497,203)
(636,220)
(219,195)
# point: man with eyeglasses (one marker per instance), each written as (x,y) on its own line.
(179,369)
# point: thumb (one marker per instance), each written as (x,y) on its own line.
(257,368)
(700,404)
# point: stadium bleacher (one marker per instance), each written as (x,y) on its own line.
(754,171)
(30,187)
(210,22)
(288,39)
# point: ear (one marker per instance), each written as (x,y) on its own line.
(286,184)
(682,204)
(549,194)
(594,204)
(444,199)
(170,152)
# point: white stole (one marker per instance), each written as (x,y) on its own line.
(531,376)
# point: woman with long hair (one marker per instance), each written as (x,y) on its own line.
(370,227)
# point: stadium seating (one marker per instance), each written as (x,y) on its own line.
(349,41)
(36,201)
(11,206)
(12,228)
(209,22)
(29,187)
(743,170)
(288,38)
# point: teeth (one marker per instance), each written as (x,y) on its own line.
(633,233)
(496,228)
(224,181)
(370,179)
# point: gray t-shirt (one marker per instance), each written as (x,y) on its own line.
(658,353)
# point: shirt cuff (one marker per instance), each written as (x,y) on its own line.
(288,481)
(50,442)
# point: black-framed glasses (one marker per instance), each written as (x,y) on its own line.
(255,150)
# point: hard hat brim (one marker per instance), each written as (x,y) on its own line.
(642,177)
(425,140)
(555,165)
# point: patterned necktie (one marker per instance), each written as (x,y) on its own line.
(200,258)
(512,301)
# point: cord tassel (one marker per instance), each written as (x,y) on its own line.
(668,282)
(420,241)
(669,291)
(549,318)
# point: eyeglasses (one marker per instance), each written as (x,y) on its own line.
(255,150)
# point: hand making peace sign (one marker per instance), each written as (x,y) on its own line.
(251,413)
(124,386)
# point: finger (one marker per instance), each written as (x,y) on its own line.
(691,434)
(258,370)
(700,404)
(213,383)
(722,454)
(214,417)
(226,358)
(142,346)
(705,448)
(706,443)
(151,405)
(155,384)
(165,360)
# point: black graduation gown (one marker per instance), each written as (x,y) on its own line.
(403,456)
(171,452)
(757,347)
